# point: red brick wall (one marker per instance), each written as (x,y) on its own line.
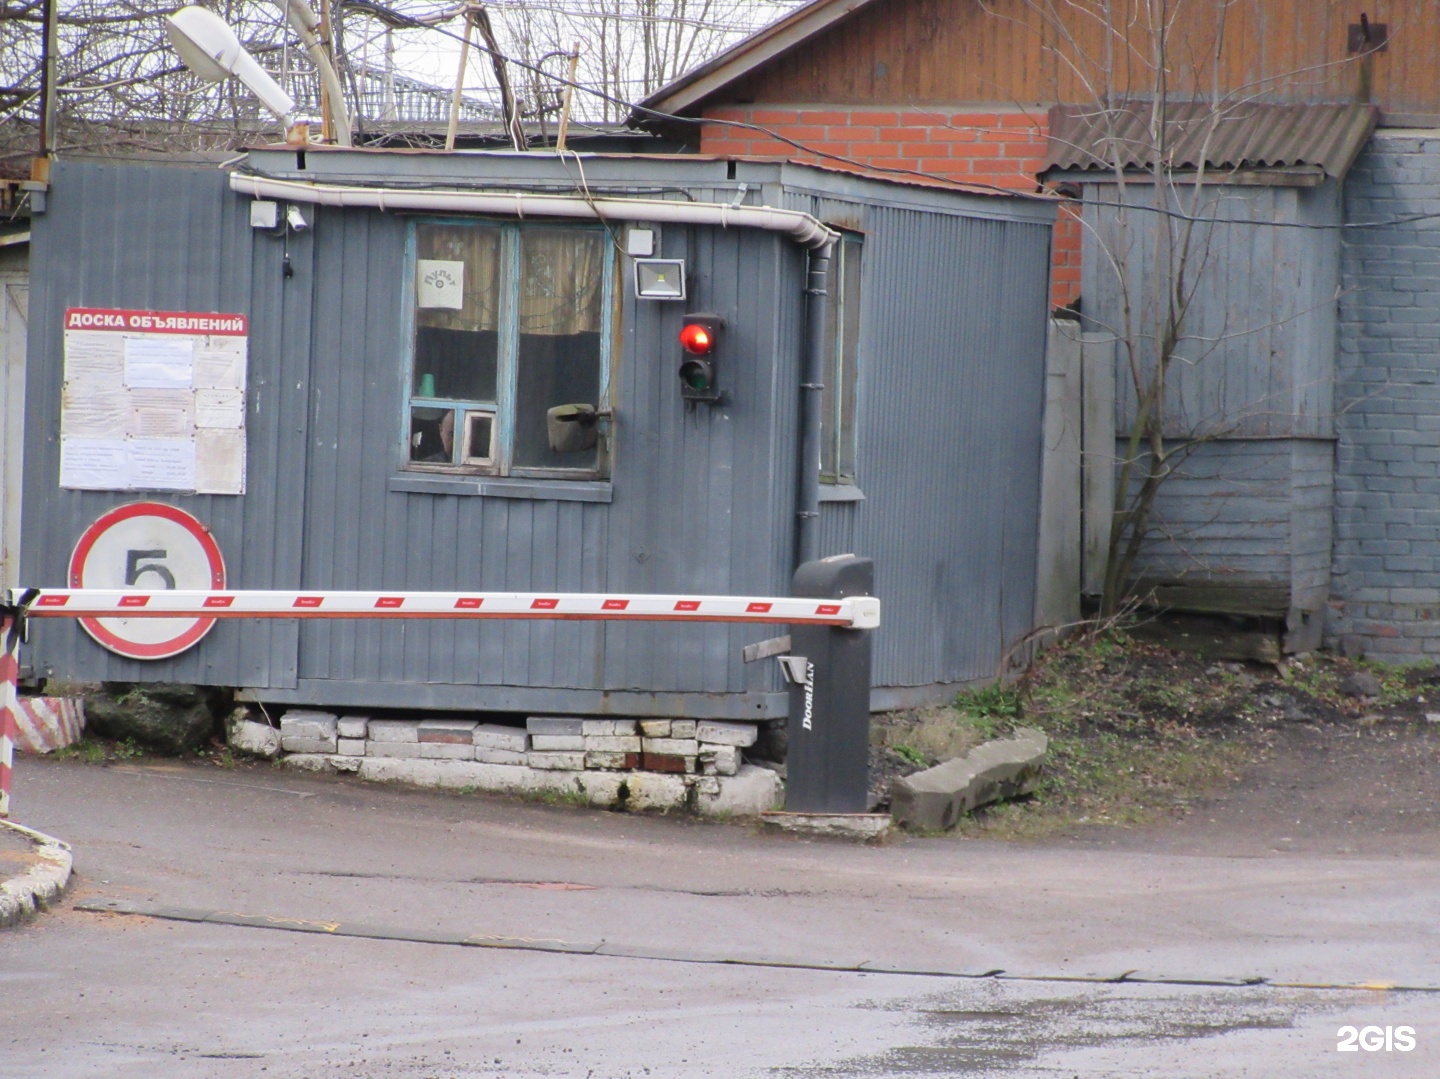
(1000,149)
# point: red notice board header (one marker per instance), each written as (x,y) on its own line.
(191,322)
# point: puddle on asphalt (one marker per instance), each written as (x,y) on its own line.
(1001,1028)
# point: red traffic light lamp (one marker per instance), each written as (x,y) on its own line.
(698,338)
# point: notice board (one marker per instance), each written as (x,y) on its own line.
(153,401)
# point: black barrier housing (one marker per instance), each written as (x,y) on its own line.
(827,768)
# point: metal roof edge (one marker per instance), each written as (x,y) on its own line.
(745,56)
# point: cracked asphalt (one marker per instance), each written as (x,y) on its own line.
(740,927)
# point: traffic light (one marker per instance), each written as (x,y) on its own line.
(697,366)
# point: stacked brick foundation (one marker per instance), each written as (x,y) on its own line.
(1385,587)
(696,765)
(1002,149)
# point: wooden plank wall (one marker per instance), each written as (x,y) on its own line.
(919,52)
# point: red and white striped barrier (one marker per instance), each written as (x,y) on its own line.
(855,612)
(9,675)
(45,724)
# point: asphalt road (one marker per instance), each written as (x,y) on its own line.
(740,926)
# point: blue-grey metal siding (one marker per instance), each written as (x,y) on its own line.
(701,500)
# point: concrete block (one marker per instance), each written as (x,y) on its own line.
(256,739)
(727,734)
(606,727)
(655,728)
(350,747)
(555,725)
(455,732)
(613,743)
(353,727)
(611,761)
(648,791)
(486,755)
(447,751)
(560,742)
(498,736)
(292,744)
(409,750)
(394,730)
(567,762)
(938,797)
(668,762)
(303,723)
(682,728)
(863,826)
(720,760)
(748,793)
(680,747)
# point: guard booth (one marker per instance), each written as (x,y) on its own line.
(365,369)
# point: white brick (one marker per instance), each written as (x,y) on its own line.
(570,762)
(447,751)
(564,743)
(352,726)
(555,725)
(395,730)
(303,723)
(392,749)
(292,744)
(748,794)
(682,728)
(351,747)
(606,727)
(727,734)
(498,736)
(614,743)
(655,728)
(604,760)
(486,755)
(720,760)
(452,731)
(259,739)
(679,747)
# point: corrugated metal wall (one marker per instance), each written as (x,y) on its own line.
(701,500)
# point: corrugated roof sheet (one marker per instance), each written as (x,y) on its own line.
(1251,136)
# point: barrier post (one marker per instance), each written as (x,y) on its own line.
(828,764)
(11,621)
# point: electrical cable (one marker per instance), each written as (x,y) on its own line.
(400,19)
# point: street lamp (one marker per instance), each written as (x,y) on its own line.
(211,50)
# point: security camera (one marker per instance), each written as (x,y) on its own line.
(295,218)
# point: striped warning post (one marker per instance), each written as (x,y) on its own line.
(9,675)
(45,724)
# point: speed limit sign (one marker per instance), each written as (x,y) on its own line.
(147,545)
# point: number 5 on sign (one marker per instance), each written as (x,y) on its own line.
(149,546)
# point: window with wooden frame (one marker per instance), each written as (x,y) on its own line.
(842,344)
(511,322)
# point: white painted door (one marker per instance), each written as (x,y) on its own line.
(14,307)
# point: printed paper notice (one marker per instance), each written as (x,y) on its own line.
(159,363)
(219,408)
(220,462)
(87,414)
(220,364)
(94,464)
(162,413)
(162,464)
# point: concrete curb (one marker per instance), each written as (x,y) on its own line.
(25,896)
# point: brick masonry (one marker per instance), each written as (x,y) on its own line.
(999,148)
(1385,588)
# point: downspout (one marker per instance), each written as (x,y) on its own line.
(812,386)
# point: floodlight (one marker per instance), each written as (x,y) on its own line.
(210,48)
(660,279)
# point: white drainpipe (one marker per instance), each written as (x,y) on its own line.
(805,229)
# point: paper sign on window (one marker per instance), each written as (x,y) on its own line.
(440,283)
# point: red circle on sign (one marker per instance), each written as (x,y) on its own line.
(197,628)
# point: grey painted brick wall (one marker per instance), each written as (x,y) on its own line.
(1385,588)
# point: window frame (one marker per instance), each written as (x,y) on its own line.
(842,362)
(507,374)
